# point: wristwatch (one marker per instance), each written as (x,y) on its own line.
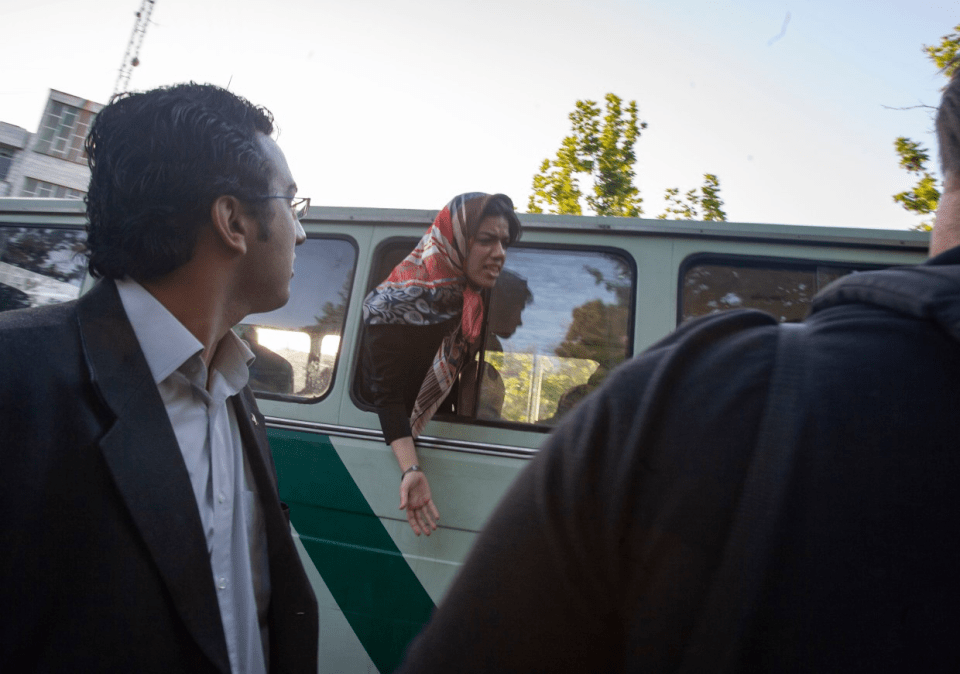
(411,469)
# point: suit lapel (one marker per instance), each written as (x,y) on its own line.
(293,608)
(143,456)
(253,432)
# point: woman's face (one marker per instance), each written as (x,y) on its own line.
(486,252)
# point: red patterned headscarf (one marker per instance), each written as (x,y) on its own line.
(428,287)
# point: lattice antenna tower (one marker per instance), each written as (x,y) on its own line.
(131,59)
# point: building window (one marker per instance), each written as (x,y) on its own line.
(63,130)
(38,188)
(6,159)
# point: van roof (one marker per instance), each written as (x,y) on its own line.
(810,234)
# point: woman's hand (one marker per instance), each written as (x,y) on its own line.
(414,489)
(422,514)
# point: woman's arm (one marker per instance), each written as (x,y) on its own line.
(395,361)
(415,497)
(389,372)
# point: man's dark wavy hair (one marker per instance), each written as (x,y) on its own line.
(948,122)
(158,160)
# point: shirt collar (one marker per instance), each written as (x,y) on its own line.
(167,344)
(232,361)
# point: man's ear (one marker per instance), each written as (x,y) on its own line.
(232,224)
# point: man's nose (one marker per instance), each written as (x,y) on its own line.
(301,235)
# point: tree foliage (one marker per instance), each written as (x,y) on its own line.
(704,204)
(943,54)
(601,151)
(534,383)
(598,331)
(924,197)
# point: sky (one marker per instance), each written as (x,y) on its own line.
(405,104)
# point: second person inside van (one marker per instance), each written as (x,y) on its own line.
(423,325)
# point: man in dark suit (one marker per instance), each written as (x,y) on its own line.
(141,527)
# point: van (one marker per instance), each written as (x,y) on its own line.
(579,296)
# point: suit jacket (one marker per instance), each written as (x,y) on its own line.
(104,564)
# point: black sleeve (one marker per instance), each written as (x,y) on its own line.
(384,372)
(597,557)
(395,360)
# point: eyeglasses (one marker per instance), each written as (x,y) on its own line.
(298,205)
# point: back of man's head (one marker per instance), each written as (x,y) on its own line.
(158,160)
(948,123)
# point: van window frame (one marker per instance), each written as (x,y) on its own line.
(302,400)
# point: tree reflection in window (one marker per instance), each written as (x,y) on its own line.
(40,266)
(783,290)
(575,330)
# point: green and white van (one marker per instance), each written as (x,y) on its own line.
(603,289)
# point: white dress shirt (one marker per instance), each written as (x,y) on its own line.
(205,424)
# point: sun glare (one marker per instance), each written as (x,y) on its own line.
(329,345)
(279,340)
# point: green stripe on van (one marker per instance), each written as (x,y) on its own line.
(372,583)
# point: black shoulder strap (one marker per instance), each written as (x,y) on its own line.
(732,598)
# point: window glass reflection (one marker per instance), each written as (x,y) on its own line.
(558,323)
(297,345)
(782,290)
(40,266)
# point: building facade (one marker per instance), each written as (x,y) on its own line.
(52,161)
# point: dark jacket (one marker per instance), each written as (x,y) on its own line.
(105,565)
(601,555)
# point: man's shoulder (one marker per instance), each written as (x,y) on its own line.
(920,291)
(699,382)
(38,352)
(15,323)
(728,340)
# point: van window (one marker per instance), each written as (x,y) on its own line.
(558,322)
(783,289)
(40,266)
(298,344)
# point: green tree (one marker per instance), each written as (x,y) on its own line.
(515,370)
(680,208)
(706,202)
(599,150)
(711,201)
(945,53)
(924,197)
